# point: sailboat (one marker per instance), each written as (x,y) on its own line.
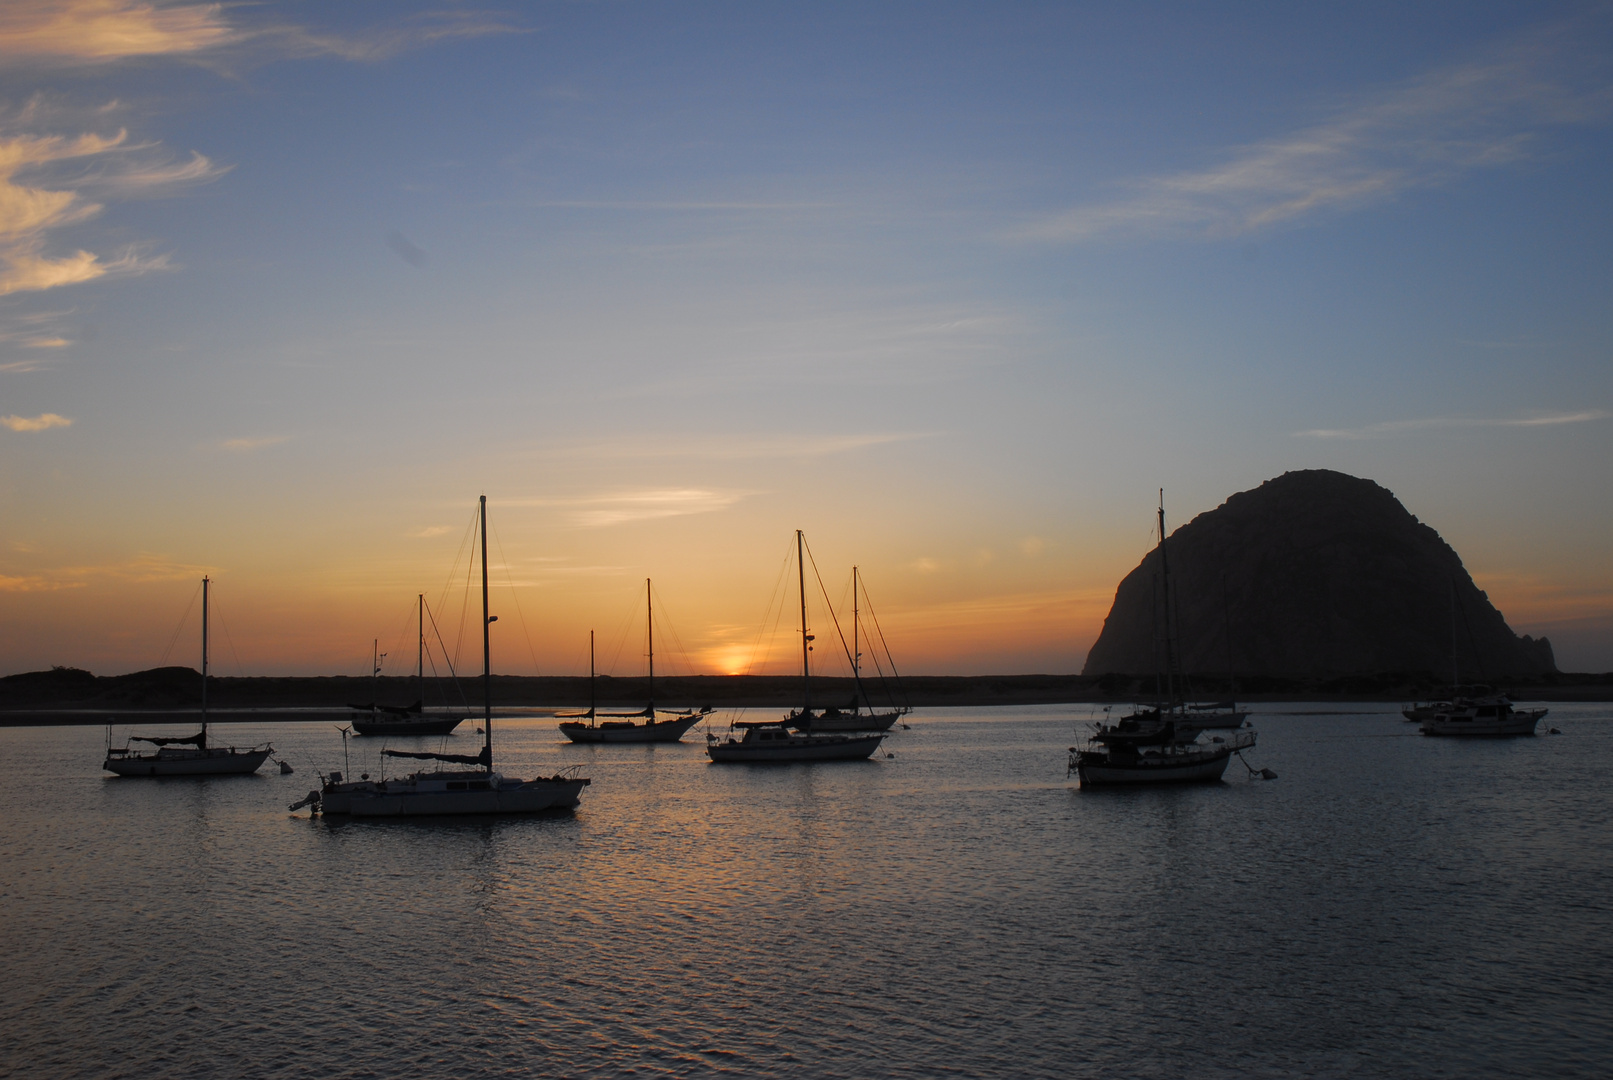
(625,727)
(375,719)
(852,717)
(1159,744)
(773,741)
(190,755)
(480,790)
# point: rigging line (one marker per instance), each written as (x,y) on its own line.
(446,659)
(218,613)
(889,658)
(844,593)
(519,614)
(672,629)
(399,647)
(181,627)
(464,596)
(624,624)
(466,542)
(833,617)
(762,631)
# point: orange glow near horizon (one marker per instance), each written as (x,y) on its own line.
(1033,607)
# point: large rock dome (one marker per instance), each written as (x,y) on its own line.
(1313,573)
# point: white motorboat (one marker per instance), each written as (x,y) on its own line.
(188,755)
(451,791)
(1487,717)
(625,727)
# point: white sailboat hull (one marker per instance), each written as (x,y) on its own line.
(656,731)
(219,761)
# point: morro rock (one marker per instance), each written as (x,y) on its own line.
(1313,573)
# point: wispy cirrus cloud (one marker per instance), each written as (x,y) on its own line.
(42,422)
(35,583)
(740,447)
(620,508)
(76,33)
(106,30)
(34,204)
(39,332)
(1424,133)
(1400,427)
(246,445)
(82,32)
(144,567)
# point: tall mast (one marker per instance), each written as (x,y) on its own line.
(649,630)
(487,651)
(856,649)
(591,704)
(205,582)
(422,658)
(806,671)
(1165,579)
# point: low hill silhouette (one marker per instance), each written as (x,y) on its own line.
(1314,573)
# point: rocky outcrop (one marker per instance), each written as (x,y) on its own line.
(1313,573)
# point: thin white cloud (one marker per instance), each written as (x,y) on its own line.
(247,445)
(1424,133)
(42,422)
(142,568)
(740,447)
(35,583)
(431,530)
(384,42)
(39,330)
(619,508)
(1398,427)
(673,206)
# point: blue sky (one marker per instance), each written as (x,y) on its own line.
(955,288)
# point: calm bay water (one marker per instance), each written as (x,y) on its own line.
(1390,906)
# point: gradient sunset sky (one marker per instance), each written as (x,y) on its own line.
(954,288)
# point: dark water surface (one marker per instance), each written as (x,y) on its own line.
(1390,906)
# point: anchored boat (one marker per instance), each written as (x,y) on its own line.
(479,790)
(190,755)
(852,717)
(1163,743)
(625,727)
(404,720)
(772,741)
(1487,717)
